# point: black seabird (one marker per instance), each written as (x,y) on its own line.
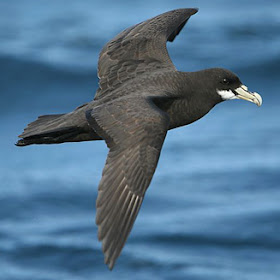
(140,97)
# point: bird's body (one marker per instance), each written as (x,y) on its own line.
(141,96)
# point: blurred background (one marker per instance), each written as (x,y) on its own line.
(212,210)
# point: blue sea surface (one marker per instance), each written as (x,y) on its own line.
(213,208)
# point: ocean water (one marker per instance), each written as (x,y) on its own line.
(213,208)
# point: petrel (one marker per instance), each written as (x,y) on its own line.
(140,97)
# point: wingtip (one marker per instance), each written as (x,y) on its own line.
(20,143)
(189,10)
(196,10)
(193,10)
(109,261)
(111,265)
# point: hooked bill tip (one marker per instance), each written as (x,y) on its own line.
(258,99)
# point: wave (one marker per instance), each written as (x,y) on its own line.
(22,67)
(267,69)
(42,85)
(180,239)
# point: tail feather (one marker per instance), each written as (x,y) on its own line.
(54,129)
(43,124)
(55,136)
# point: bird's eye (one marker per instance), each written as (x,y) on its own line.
(225,81)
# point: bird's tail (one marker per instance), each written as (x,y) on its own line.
(54,129)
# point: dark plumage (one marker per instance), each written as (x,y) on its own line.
(141,96)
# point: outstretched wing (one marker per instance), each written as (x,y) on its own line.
(139,49)
(134,136)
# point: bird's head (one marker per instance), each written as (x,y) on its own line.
(228,86)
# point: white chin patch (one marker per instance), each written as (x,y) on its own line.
(226,94)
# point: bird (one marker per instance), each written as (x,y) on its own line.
(141,95)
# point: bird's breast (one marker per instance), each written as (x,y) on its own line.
(183,112)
